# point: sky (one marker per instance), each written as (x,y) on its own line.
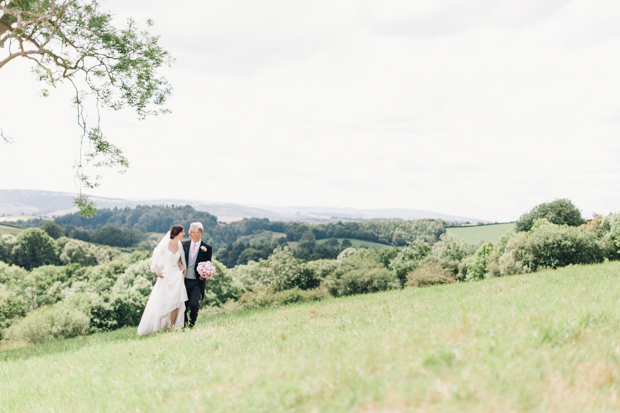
(476,108)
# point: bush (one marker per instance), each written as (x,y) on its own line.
(430,274)
(266,297)
(78,252)
(478,267)
(221,287)
(367,281)
(12,306)
(611,226)
(559,212)
(550,246)
(408,259)
(137,277)
(109,312)
(62,320)
(34,248)
(281,271)
(45,277)
(450,248)
(7,242)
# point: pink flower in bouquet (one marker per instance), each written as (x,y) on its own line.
(206,269)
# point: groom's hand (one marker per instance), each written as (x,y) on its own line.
(160,275)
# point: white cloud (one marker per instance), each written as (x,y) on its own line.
(472,108)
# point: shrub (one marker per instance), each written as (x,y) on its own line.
(266,297)
(478,267)
(62,320)
(11,275)
(137,277)
(322,268)
(221,288)
(559,212)
(7,242)
(128,307)
(78,252)
(34,248)
(12,306)
(366,281)
(408,259)
(450,248)
(281,271)
(430,274)
(109,312)
(45,277)
(550,246)
(611,225)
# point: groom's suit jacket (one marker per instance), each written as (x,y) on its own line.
(202,256)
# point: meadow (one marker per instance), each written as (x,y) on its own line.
(9,229)
(547,342)
(356,243)
(476,233)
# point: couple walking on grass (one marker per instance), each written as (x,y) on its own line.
(179,287)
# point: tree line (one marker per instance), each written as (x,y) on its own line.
(159,219)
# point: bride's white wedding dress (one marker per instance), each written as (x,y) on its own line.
(168,294)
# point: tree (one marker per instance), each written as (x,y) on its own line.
(118,237)
(53,229)
(74,41)
(559,212)
(34,248)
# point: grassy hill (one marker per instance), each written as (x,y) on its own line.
(541,342)
(476,233)
(360,244)
(8,229)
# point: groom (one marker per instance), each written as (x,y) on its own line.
(196,251)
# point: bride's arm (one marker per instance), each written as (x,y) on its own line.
(182,264)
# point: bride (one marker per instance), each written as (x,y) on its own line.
(166,304)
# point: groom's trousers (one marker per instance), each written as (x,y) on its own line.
(193,301)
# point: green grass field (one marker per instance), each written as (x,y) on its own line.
(6,229)
(476,233)
(360,244)
(544,342)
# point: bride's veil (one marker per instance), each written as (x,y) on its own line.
(157,260)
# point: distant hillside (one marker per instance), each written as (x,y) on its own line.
(47,203)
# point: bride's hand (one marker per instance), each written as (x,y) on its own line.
(160,275)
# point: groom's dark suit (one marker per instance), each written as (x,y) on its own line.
(195,287)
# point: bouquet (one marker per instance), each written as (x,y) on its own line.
(206,269)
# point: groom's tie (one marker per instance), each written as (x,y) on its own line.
(193,249)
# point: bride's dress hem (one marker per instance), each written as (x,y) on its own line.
(167,295)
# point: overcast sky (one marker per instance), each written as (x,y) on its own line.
(478,108)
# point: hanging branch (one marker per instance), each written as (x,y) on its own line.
(72,40)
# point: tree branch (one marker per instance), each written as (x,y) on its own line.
(7,139)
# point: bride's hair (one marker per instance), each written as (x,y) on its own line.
(175,230)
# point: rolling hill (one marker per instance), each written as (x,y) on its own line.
(47,203)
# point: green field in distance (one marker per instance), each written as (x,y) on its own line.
(359,243)
(476,233)
(5,229)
